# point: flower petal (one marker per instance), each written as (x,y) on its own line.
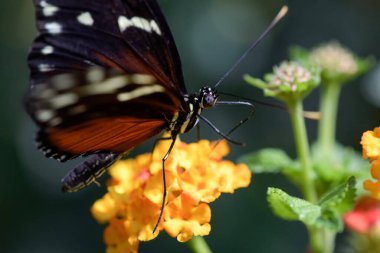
(104,209)
(371,144)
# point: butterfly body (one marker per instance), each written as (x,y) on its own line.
(196,102)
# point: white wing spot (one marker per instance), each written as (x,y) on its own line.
(63,81)
(138,22)
(85,19)
(108,86)
(124,23)
(77,109)
(64,100)
(142,79)
(44,115)
(139,92)
(46,93)
(56,121)
(155,27)
(95,75)
(48,9)
(45,67)
(141,23)
(47,50)
(53,28)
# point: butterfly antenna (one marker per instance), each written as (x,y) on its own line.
(256,101)
(279,16)
(312,115)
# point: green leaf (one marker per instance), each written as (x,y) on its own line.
(324,216)
(294,173)
(269,160)
(341,199)
(329,220)
(344,163)
(335,203)
(256,82)
(292,208)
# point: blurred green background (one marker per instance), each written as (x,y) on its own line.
(35,217)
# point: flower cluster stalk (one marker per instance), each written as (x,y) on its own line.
(303,150)
(329,108)
(318,242)
(198,245)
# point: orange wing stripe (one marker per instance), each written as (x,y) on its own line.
(108,134)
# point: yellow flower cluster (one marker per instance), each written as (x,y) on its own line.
(196,175)
(371,150)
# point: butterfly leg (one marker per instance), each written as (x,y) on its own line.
(241,122)
(198,132)
(174,138)
(156,141)
(219,132)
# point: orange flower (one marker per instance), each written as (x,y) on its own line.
(196,175)
(374,187)
(371,150)
(186,217)
(371,144)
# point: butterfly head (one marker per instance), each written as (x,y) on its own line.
(207,97)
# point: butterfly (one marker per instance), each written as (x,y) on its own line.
(106,76)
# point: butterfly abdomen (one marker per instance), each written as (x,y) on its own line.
(88,171)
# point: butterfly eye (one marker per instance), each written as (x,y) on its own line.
(208,97)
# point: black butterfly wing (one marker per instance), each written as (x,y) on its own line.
(131,36)
(65,44)
(155,31)
(98,110)
(130,96)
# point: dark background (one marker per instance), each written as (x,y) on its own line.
(35,217)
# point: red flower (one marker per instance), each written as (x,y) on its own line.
(365,217)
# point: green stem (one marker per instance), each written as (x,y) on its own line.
(303,150)
(316,240)
(198,245)
(320,240)
(327,125)
(329,238)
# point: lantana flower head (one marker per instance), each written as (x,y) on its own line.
(289,80)
(333,58)
(371,150)
(196,175)
(338,64)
